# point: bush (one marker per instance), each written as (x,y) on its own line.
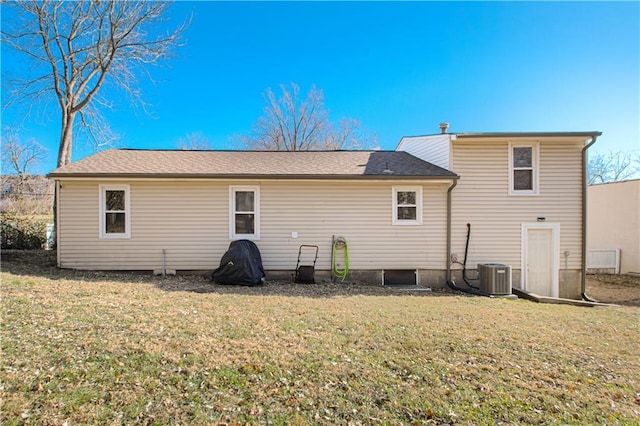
(23,233)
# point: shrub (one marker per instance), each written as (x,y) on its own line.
(23,232)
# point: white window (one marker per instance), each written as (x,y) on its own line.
(244,212)
(115,211)
(407,205)
(523,169)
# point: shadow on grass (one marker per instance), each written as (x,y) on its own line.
(41,263)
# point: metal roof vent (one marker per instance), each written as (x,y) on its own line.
(443,127)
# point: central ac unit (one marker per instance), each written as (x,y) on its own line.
(495,278)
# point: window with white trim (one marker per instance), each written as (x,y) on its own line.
(523,169)
(244,212)
(407,205)
(115,211)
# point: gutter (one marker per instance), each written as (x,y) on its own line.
(214,176)
(585,175)
(527,135)
(448,253)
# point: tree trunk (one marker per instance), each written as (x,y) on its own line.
(64,158)
(66,139)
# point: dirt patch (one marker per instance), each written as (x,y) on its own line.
(618,289)
(43,264)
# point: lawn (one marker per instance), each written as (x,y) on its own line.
(109,348)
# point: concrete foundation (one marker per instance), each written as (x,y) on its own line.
(570,284)
(427,278)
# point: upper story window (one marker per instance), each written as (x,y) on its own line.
(115,211)
(523,169)
(244,212)
(407,205)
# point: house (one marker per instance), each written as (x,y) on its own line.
(523,195)
(157,210)
(613,224)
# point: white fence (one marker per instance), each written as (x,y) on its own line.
(603,261)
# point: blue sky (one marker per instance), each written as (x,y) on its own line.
(399,68)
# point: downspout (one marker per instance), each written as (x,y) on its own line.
(448,253)
(585,174)
(56,219)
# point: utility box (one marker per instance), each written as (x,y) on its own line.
(495,278)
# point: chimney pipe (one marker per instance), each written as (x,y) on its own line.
(443,127)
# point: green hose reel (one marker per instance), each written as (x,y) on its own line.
(340,250)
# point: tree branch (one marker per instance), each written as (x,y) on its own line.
(85,46)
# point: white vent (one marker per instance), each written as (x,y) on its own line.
(495,278)
(603,260)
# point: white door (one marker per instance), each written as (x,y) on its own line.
(539,258)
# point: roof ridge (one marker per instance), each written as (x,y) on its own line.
(247,150)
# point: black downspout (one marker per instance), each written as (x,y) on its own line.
(464,262)
(585,174)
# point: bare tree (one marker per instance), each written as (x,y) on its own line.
(23,192)
(20,157)
(349,135)
(194,141)
(291,123)
(79,48)
(613,167)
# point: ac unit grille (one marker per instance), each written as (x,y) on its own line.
(495,278)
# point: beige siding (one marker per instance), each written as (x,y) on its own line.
(482,199)
(190,219)
(613,221)
(184,219)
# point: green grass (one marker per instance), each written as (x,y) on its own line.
(99,348)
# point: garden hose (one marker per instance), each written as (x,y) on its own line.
(340,246)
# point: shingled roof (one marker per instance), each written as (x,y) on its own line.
(253,164)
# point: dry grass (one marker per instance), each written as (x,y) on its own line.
(107,348)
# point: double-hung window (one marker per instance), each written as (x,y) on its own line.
(407,205)
(523,169)
(115,211)
(244,212)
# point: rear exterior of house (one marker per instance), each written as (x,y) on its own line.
(519,196)
(179,210)
(522,196)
